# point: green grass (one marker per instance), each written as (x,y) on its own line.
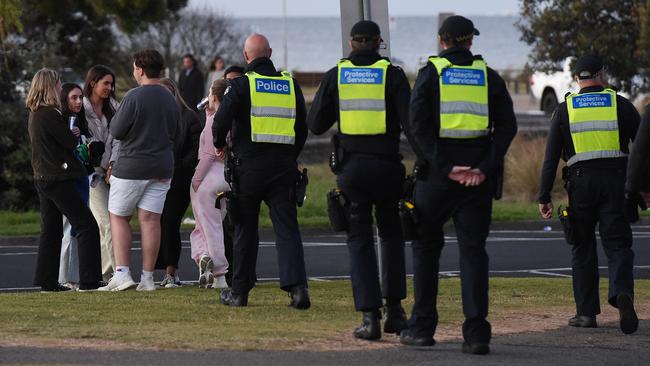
(191,318)
(313,214)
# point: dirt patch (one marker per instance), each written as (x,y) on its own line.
(502,324)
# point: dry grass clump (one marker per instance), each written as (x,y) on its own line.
(523,167)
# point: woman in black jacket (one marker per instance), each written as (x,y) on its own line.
(55,170)
(186,145)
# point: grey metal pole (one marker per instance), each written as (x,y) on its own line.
(284,32)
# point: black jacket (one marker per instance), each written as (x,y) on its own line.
(559,142)
(441,154)
(638,171)
(52,146)
(325,108)
(191,87)
(186,142)
(234,114)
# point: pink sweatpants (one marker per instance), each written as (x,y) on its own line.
(207,236)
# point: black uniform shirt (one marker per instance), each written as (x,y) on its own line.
(638,173)
(442,154)
(325,107)
(559,142)
(234,113)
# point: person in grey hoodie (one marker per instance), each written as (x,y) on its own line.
(145,124)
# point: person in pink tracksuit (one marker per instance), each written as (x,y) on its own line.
(208,181)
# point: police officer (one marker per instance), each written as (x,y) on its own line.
(591,131)
(265,113)
(462,121)
(369,98)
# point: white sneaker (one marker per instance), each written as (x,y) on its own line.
(171,281)
(119,282)
(205,271)
(71,285)
(220,282)
(146,284)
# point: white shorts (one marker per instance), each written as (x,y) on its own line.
(127,194)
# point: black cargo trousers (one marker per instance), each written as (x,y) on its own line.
(372,180)
(597,196)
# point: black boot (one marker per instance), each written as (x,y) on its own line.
(229,298)
(629,322)
(408,338)
(299,298)
(394,319)
(370,328)
(583,321)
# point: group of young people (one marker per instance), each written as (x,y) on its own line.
(78,133)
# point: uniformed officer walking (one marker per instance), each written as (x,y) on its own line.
(591,131)
(265,113)
(462,121)
(369,97)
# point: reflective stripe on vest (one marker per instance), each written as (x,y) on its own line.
(593,123)
(362,103)
(463,99)
(273,108)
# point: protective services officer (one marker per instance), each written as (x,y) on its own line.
(462,122)
(265,113)
(369,98)
(591,131)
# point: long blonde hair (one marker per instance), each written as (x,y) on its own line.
(42,92)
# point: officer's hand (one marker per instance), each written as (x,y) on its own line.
(458,173)
(473,178)
(221,153)
(546,209)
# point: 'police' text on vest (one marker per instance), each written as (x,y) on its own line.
(272,86)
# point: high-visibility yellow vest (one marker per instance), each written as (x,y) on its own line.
(463,99)
(593,123)
(362,98)
(273,108)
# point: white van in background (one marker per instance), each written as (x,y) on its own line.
(548,89)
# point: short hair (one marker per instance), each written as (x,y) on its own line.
(150,61)
(457,42)
(218,88)
(365,43)
(42,91)
(233,68)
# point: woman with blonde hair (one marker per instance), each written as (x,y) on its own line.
(207,238)
(55,170)
(186,145)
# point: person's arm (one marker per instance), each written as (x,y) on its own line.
(54,124)
(300,127)
(554,147)
(226,113)
(123,119)
(324,107)
(424,121)
(639,154)
(504,122)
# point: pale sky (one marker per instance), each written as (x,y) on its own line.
(330,8)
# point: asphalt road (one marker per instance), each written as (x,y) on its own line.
(513,251)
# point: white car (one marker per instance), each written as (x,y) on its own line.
(549,88)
